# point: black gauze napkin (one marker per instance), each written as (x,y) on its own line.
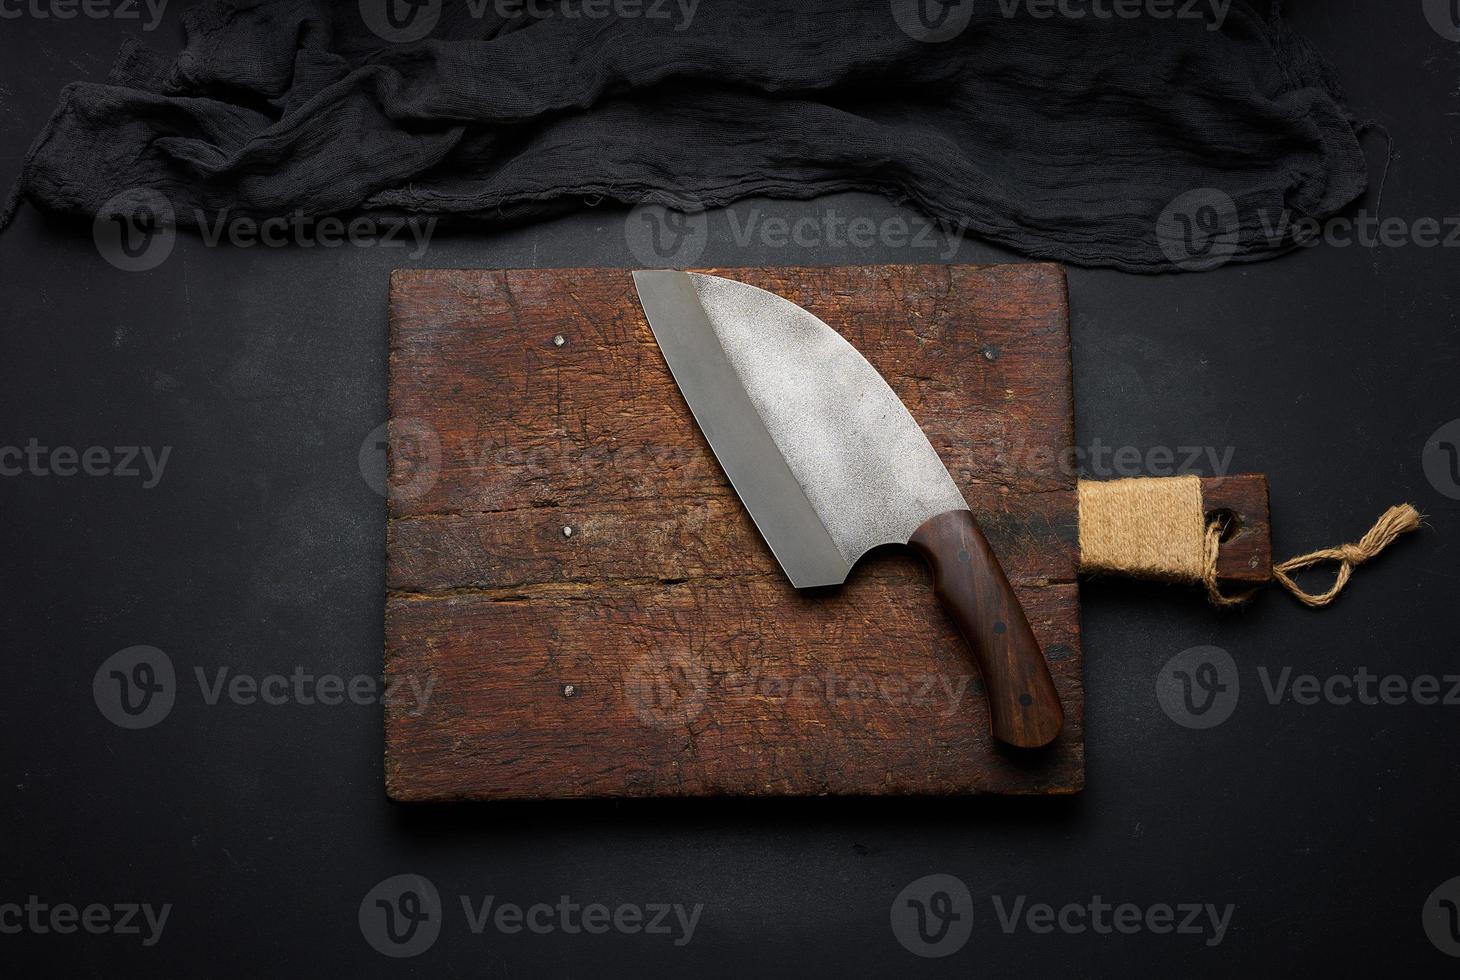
(1140,142)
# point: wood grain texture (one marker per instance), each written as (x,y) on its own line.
(657,649)
(1245,554)
(1024,710)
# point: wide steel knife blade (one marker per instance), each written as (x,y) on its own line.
(830,464)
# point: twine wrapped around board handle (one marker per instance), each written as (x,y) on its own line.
(1158,528)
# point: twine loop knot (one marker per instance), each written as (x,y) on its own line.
(1391,524)
(1157,528)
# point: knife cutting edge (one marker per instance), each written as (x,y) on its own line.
(830,464)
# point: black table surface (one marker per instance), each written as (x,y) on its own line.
(1327,827)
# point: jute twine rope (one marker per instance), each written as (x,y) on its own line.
(1156,528)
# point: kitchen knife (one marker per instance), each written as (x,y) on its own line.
(830,464)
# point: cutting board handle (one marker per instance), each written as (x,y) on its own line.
(1024,709)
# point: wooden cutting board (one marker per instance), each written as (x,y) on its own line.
(573,580)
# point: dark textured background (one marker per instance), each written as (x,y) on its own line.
(261,549)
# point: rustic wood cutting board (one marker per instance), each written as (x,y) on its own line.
(572,578)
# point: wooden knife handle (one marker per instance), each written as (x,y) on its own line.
(1024,709)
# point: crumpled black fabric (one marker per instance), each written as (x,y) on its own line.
(1062,138)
